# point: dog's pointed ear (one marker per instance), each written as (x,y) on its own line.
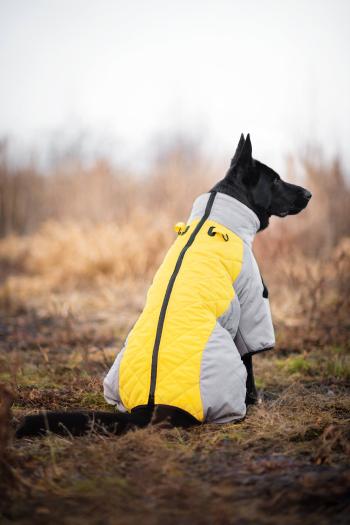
(238,151)
(245,156)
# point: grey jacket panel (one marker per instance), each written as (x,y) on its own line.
(111,383)
(222,378)
(230,319)
(255,331)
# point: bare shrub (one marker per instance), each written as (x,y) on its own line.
(94,225)
(99,192)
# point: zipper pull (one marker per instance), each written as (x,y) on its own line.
(181,228)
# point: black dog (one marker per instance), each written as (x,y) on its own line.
(259,188)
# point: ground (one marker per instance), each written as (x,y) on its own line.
(287,462)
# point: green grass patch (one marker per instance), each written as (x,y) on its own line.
(339,349)
(333,363)
(93,400)
(5,377)
(294,365)
(99,486)
(36,376)
(339,368)
(260,383)
(298,365)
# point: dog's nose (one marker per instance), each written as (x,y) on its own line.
(307,194)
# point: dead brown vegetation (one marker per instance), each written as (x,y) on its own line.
(79,249)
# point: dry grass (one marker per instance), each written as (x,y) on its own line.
(70,292)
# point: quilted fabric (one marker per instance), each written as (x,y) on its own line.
(202,292)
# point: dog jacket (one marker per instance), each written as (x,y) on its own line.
(207,306)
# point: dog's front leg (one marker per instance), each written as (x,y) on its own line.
(252,394)
(255,331)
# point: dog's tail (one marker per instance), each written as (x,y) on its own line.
(78,423)
(75,423)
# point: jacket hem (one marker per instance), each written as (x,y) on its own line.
(266,349)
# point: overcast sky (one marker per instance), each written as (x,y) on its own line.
(129,71)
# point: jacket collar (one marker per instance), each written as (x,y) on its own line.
(229,212)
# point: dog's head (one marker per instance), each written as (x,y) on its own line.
(261,188)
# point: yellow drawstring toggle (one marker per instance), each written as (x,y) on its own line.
(181,228)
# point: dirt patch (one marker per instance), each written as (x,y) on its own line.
(286,462)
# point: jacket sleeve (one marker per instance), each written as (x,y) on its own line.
(255,330)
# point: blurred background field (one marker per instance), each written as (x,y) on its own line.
(78,250)
(77,236)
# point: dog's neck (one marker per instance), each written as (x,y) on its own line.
(229,212)
(235,189)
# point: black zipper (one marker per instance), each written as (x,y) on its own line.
(167,297)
